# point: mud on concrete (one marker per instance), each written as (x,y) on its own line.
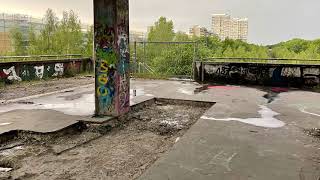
(90,151)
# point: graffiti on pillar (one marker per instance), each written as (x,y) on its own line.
(58,68)
(123,69)
(105,67)
(11,74)
(112,56)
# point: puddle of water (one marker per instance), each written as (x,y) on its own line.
(267,119)
(82,105)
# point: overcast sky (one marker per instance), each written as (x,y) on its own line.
(270,21)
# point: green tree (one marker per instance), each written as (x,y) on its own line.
(162,30)
(18,41)
(89,42)
(33,45)
(48,34)
(181,36)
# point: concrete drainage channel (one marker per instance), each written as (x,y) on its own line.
(117,149)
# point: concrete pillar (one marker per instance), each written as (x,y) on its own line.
(111,44)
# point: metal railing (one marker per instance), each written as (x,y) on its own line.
(39,57)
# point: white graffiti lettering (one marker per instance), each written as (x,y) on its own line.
(58,69)
(39,71)
(12,75)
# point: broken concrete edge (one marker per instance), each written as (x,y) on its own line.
(4,102)
(143,102)
(10,135)
(110,122)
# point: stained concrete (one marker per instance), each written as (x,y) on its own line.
(214,149)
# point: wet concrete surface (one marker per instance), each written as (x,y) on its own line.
(234,139)
(98,152)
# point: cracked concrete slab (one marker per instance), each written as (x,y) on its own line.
(42,121)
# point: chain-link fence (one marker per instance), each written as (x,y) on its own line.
(163,59)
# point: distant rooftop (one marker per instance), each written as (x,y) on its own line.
(221,14)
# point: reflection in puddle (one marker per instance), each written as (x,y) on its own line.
(267,119)
(80,103)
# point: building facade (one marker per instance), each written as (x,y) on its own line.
(23,22)
(198,31)
(224,26)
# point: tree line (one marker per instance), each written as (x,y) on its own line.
(176,59)
(64,36)
(57,37)
(212,46)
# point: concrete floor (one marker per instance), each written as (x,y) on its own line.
(241,137)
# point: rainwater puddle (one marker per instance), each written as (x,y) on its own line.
(81,103)
(267,119)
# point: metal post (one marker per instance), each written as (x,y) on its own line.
(144,56)
(135,57)
(112,58)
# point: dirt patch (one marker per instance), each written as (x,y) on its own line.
(23,89)
(315,132)
(99,151)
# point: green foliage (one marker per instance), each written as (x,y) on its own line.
(161,31)
(58,37)
(18,41)
(176,59)
(89,42)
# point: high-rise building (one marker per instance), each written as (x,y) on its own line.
(198,31)
(23,22)
(224,26)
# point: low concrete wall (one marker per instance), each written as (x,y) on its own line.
(255,73)
(32,70)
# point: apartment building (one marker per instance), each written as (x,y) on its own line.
(225,26)
(198,31)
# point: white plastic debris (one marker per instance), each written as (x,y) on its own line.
(178,139)
(5,169)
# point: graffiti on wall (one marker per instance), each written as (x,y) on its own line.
(230,71)
(39,71)
(58,68)
(261,74)
(26,72)
(10,74)
(112,57)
